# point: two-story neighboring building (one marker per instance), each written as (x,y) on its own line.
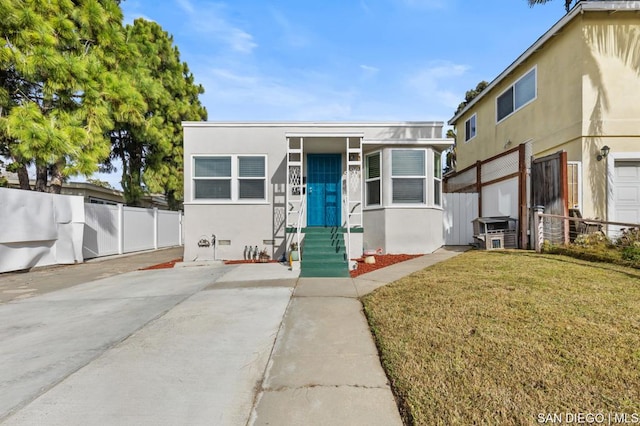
(350,186)
(568,111)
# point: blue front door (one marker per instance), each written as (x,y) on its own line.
(324,172)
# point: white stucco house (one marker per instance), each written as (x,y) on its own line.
(338,188)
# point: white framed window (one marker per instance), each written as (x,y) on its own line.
(408,176)
(437,178)
(230,178)
(470,128)
(521,93)
(574,182)
(373,181)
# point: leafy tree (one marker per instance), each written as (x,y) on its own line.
(471,94)
(101,183)
(450,158)
(60,86)
(567,3)
(151,151)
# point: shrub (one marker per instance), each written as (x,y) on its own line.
(593,240)
(631,253)
(629,237)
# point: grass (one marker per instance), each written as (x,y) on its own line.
(502,337)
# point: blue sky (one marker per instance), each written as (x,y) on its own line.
(349,60)
(344,60)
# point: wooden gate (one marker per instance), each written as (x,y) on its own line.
(549,189)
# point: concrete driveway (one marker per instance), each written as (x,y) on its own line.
(202,345)
(172,346)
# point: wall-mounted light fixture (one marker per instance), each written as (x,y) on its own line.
(604,151)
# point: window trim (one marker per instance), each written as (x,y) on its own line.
(424,177)
(234,178)
(437,177)
(474,117)
(579,181)
(513,86)
(367,180)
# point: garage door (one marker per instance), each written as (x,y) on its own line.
(627,191)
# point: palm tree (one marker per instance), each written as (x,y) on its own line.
(567,3)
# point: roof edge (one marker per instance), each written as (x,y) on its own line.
(310,123)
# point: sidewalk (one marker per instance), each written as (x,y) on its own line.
(21,285)
(325,368)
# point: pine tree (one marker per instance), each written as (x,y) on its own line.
(151,152)
(61,86)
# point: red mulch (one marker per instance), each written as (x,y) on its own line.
(239,262)
(382,261)
(165,265)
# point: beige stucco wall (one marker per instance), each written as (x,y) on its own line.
(550,120)
(588,78)
(611,83)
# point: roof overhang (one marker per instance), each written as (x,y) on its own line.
(444,142)
(321,124)
(581,7)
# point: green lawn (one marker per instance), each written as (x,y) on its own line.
(503,337)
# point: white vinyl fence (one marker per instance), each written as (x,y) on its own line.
(120,229)
(459,210)
(38,229)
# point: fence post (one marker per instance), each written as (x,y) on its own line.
(180,227)
(120,228)
(155,228)
(538,222)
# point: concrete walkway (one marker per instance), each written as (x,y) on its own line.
(214,344)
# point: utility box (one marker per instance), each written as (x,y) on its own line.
(495,233)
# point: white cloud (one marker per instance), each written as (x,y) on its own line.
(434,81)
(369,70)
(426,4)
(256,96)
(292,35)
(209,20)
(186,6)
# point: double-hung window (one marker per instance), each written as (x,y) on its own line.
(437,178)
(212,178)
(373,179)
(408,176)
(470,128)
(232,178)
(517,96)
(251,178)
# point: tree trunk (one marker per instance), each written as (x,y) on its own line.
(41,178)
(23,177)
(56,178)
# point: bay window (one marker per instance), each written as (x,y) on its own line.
(408,176)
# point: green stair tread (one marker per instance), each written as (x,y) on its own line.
(323,253)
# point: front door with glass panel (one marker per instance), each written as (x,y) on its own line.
(324,172)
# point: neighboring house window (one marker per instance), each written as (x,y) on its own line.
(372,180)
(470,128)
(230,178)
(437,178)
(517,96)
(574,182)
(408,176)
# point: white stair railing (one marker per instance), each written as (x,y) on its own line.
(301,213)
(347,214)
